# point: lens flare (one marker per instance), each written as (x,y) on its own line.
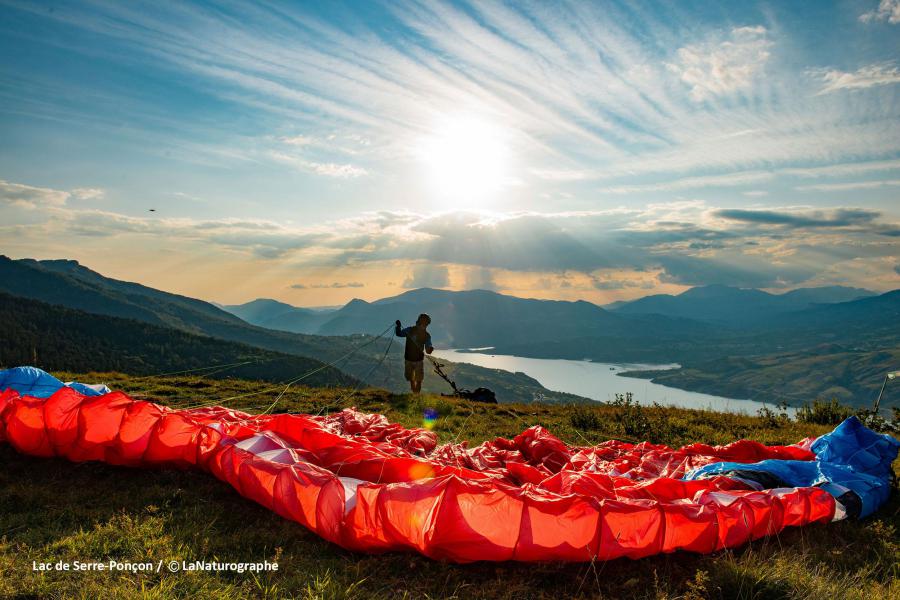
(421,471)
(429,419)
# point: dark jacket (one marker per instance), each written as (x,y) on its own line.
(415,347)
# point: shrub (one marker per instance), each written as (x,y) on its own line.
(876,422)
(773,418)
(631,416)
(584,418)
(823,413)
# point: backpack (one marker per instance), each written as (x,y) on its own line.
(480,395)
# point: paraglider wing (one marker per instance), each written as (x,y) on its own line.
(370,485)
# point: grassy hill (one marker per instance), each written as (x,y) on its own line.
(55,510)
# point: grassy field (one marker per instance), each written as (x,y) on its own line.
(53,510)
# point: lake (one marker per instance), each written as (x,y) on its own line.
(601,381)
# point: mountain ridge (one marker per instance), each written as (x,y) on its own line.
(65,283)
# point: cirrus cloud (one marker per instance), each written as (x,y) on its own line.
(878,74)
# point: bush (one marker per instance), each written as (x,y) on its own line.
(585,419)
(631,417)
(823,413)
(876,422)
(772,418)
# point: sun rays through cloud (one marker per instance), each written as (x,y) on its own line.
(573,150)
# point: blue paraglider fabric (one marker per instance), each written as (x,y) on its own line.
(30,381)
(850,458)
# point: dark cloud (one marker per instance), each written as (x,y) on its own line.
(428,275)
(734,271)
(843,217)
(526,243)
(691,243)
(640,241)
(480,279)
(602,283)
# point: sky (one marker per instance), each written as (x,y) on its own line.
(318,152)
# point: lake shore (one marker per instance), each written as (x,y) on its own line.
(602,381)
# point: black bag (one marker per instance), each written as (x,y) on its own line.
(480,395)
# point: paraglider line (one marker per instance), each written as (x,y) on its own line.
(353,392)
(293,381)
(223,367)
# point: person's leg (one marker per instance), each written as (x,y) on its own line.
(409,375)
(418,374)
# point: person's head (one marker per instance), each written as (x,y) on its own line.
(423,321)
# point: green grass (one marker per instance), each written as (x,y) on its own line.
(54,510)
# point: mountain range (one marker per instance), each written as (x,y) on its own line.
(68,284)
(744,343)
(468,318)
(719,335)
(699,324)
(457,314)
(736,307)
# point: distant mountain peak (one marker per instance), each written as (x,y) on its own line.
(719,290)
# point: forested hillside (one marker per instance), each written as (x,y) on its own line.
(53,337)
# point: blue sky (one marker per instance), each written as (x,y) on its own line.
(315,152)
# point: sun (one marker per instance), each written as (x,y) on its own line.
(466,162)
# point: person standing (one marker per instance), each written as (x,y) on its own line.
(418,342)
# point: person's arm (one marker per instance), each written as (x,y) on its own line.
(428,347)
(399,332)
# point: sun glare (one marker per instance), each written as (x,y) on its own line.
(466,162)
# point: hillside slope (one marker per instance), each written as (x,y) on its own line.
(830,371)
(53,337)
(49,335)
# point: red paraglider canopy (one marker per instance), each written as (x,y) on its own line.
(370,485)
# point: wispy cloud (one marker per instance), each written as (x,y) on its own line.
(26,196)
(88,193)
(732,179)
(642,98)
(599,96)
(865,77)
(840,170)
(853,185)
(343,171)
